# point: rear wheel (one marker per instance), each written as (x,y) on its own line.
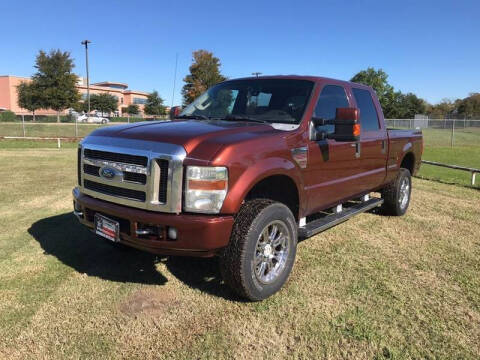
(262,249)
(396,195)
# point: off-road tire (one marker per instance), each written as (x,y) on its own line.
(236,261)
(392,192)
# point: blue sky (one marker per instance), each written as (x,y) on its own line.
(430,48)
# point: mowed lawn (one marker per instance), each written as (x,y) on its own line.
(374,287)
(465,152)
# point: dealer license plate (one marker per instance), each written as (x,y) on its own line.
(108,228)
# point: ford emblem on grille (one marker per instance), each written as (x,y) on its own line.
(107,173)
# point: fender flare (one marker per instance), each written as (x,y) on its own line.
(261,170)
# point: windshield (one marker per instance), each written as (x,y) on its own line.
(270,100)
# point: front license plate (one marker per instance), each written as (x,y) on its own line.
(108,228)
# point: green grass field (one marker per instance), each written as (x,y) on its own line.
(374,287)
(465,152)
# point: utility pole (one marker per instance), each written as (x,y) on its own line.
(86,42)
(174,78)
(257,73)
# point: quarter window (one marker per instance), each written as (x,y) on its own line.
(331,98)
(368,113)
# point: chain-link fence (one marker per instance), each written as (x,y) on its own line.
(442,132)
(47,126)
(432,123)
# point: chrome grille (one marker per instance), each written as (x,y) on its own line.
(143,174)
(115,190)
(127,176)
(116,157)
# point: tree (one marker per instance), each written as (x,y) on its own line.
(204,73)
(409,105)
(395,105)
(378,80)
(29,97)
(133,109)
(55,80)
(130,110)
(470,106)
(104,102)
(443,109)
(80,106)
(154,105)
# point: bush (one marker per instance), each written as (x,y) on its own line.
(7,116)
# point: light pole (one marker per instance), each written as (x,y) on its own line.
(256,73)
(86,42)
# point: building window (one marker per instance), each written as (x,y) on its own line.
(139,101)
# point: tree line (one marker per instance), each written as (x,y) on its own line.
(53,86)
(397,105)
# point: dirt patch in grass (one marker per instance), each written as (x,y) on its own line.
(149,301)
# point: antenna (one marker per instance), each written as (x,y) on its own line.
(174,79)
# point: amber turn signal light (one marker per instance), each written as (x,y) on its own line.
(207,184)
(356,130)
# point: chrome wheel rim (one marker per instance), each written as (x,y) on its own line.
(404,193)
(271,252)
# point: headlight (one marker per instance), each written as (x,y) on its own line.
(205,188)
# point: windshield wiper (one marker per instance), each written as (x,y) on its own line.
(243,118)
(192,117)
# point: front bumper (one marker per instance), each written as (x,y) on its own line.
(197,235)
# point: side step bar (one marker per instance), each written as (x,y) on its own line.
(319,225)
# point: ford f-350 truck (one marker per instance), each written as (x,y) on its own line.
(247,169)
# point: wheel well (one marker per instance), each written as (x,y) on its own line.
(279,188)
(408,162)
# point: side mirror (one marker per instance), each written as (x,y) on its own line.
(174,112)
(316,134)
(347,127)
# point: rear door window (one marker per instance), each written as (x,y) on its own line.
(368,113)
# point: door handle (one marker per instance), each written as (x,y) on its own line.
(357,149)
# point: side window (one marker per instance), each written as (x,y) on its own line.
(368,113)
(331,98)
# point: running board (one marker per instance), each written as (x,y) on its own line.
(319,225)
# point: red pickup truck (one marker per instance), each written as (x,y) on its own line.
(247,169)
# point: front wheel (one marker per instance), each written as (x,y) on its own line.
(396,195)
(262,249)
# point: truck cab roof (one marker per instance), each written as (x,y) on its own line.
(316,79)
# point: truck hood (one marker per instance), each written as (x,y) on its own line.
(193,135)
